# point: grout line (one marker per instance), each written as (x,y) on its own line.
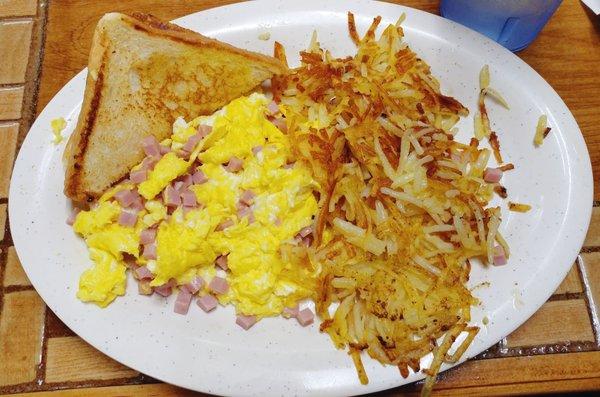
(7,240)
(20,18)
(18,288)
(566,296)
(3,259)
(34,71)
(10,121)
(567,347)
(84,384)
(587,250)
(8,86)
(34,386)
(40,373)
(589,298)
(7,122)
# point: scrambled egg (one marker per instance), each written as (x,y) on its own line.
(57,125)
(260,282)
(167,169)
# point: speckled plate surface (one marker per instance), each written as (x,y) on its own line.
(277,357)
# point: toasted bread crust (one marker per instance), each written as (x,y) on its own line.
(155,26)
(78,145)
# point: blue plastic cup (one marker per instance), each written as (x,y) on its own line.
(512,23)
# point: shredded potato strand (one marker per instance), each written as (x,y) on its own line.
(541,130)
(403,206)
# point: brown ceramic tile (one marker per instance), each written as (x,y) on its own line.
(14,273)
(591,266)
(554,322)
(71,359)
(539,370)
(15,39)
(10,102)
(571,284)
(17,8)
(3,209)
(593,235)
(8,137)
(21,330)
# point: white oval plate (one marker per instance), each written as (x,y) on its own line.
(210,353)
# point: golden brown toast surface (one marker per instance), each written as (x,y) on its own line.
(142,74)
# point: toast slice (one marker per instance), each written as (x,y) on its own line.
(142,74)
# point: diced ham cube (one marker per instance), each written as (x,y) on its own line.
(277,222)
(138,176)
(126,197)
(149,162)
(194,285)
(172,282)
(289,166)
(218,285)
(199,177)
(307,241)
(182,303)
(246,212)
(171,197)
(137,204)
(143,273)
(245,321)
(224,225)
(305,317)
(499,256)
(147,236)
(164,149)
(290,312)
(182,154)
(221,261)
(187,180)
(144,287)
(188,198)
(72,216)
(151,146)
(273,108)
(130,261)
(127,218)
(492,175)
(207,303)
(203,130)
(178,185)
(149,251)
(235,164)
(257,149)
(305,231)
(281,124)
(247,197)
(164,290)
(190,145)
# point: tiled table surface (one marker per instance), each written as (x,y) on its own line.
(558,349)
